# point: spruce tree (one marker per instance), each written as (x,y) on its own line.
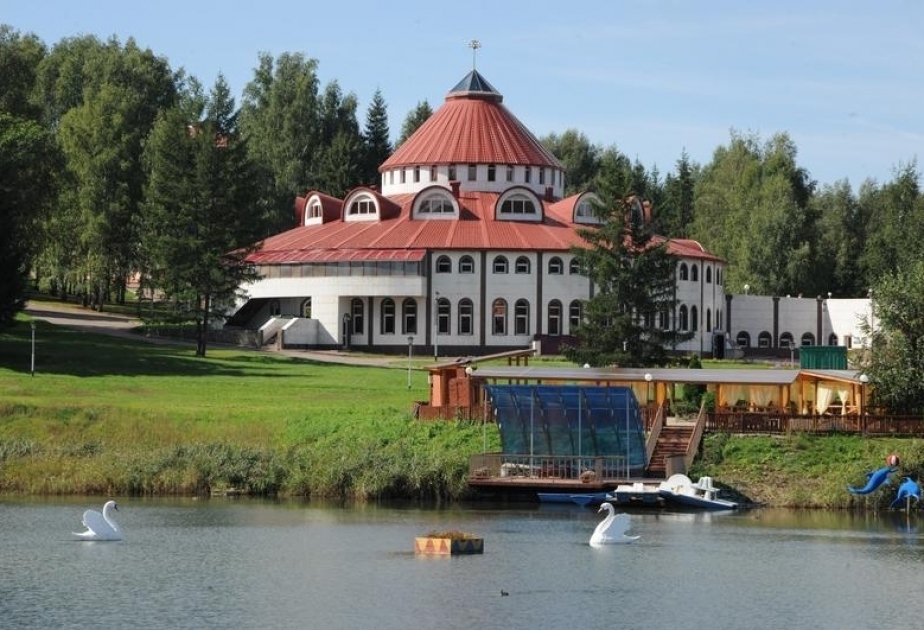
(376,145)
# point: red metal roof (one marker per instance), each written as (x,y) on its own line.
(472,127)
(337,255)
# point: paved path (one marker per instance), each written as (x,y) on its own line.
(73,316)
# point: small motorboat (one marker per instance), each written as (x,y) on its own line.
(679,489)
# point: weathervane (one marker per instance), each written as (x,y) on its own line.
(474,45)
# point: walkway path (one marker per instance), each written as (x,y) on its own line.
(73,316)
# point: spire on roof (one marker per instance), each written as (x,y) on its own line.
(475,85)
(474,45)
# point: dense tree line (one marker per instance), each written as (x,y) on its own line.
(115,165)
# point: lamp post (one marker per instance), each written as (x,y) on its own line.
(436,329)
(747,288)
(32,371)
(864,379)
(410,353)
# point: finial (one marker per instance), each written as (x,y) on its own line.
(474,45)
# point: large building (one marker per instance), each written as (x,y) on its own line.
(464,248)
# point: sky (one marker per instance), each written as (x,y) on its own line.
(843,78)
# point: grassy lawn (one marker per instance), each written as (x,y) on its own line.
(106,413)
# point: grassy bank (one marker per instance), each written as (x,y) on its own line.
(112,415)
(109,415)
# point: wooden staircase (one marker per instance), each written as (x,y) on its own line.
(673,440)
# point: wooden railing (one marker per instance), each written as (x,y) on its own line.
(773,423)
(654,430)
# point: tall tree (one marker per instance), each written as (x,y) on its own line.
(840,239)
(281,121)
(752,210)
(675,213)
(634,278)
(578,155)
(341,162)
(198,225)
(412,122)
(20,56)
(896,363)
(28,158)
(376,145)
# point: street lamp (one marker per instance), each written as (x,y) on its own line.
(648,378)
(436,331)
(32,323)
(747,288)
(410,353)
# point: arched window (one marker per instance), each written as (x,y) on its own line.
(499,317)
(787,341)
(388,317)
(764,339)
(314,210)
(832,339)
(664,318)
(466,317)
(694,273)
(356,310)
(575,315)
(306,308)
(362,206)
(808,339)
(443,316)
(708,275)
(521,265)
(435,204)
(521,317)
(466,264)
(556,267)
(554,317)
(708,325)
(684,318)
(574,267)
(684,274)
(743,339)
(443,265)
(515,205)
(694,318)
(409,316)
(500,264)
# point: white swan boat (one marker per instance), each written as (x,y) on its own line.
(679,489)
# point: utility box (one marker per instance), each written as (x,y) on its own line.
(823,357)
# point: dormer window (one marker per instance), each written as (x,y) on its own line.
(435,203)
(362,208)
(519,204)
(314,210)
(585,210)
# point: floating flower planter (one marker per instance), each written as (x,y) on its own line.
(448,544)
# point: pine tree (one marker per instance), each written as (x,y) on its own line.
(376,145)
(628,320)
(413,121)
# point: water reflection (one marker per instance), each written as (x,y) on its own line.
(261,564)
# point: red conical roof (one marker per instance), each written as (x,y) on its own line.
(472,127)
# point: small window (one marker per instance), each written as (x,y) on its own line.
(518,205)
(684,318)
(763,340)
(416,174)
(684,273)
(694,273)
(521,265)
(521,317)
(509,173)
(363,206)
(708,275)
(499,317)
(575,315)
(357,309)
(492,172)
(388,316)
(527,174)
(443,265)
(409,316)
(466,317)
(556,268)
(314,210)
(443,316)
(433,173)
(466,265)
(403,176)
(472,172)
(743,340)
(306,308)
(500,264)
(574,267)
(694,319)
(554,324)
(452,172)
(541,176)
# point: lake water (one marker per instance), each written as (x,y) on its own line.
(254,564)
